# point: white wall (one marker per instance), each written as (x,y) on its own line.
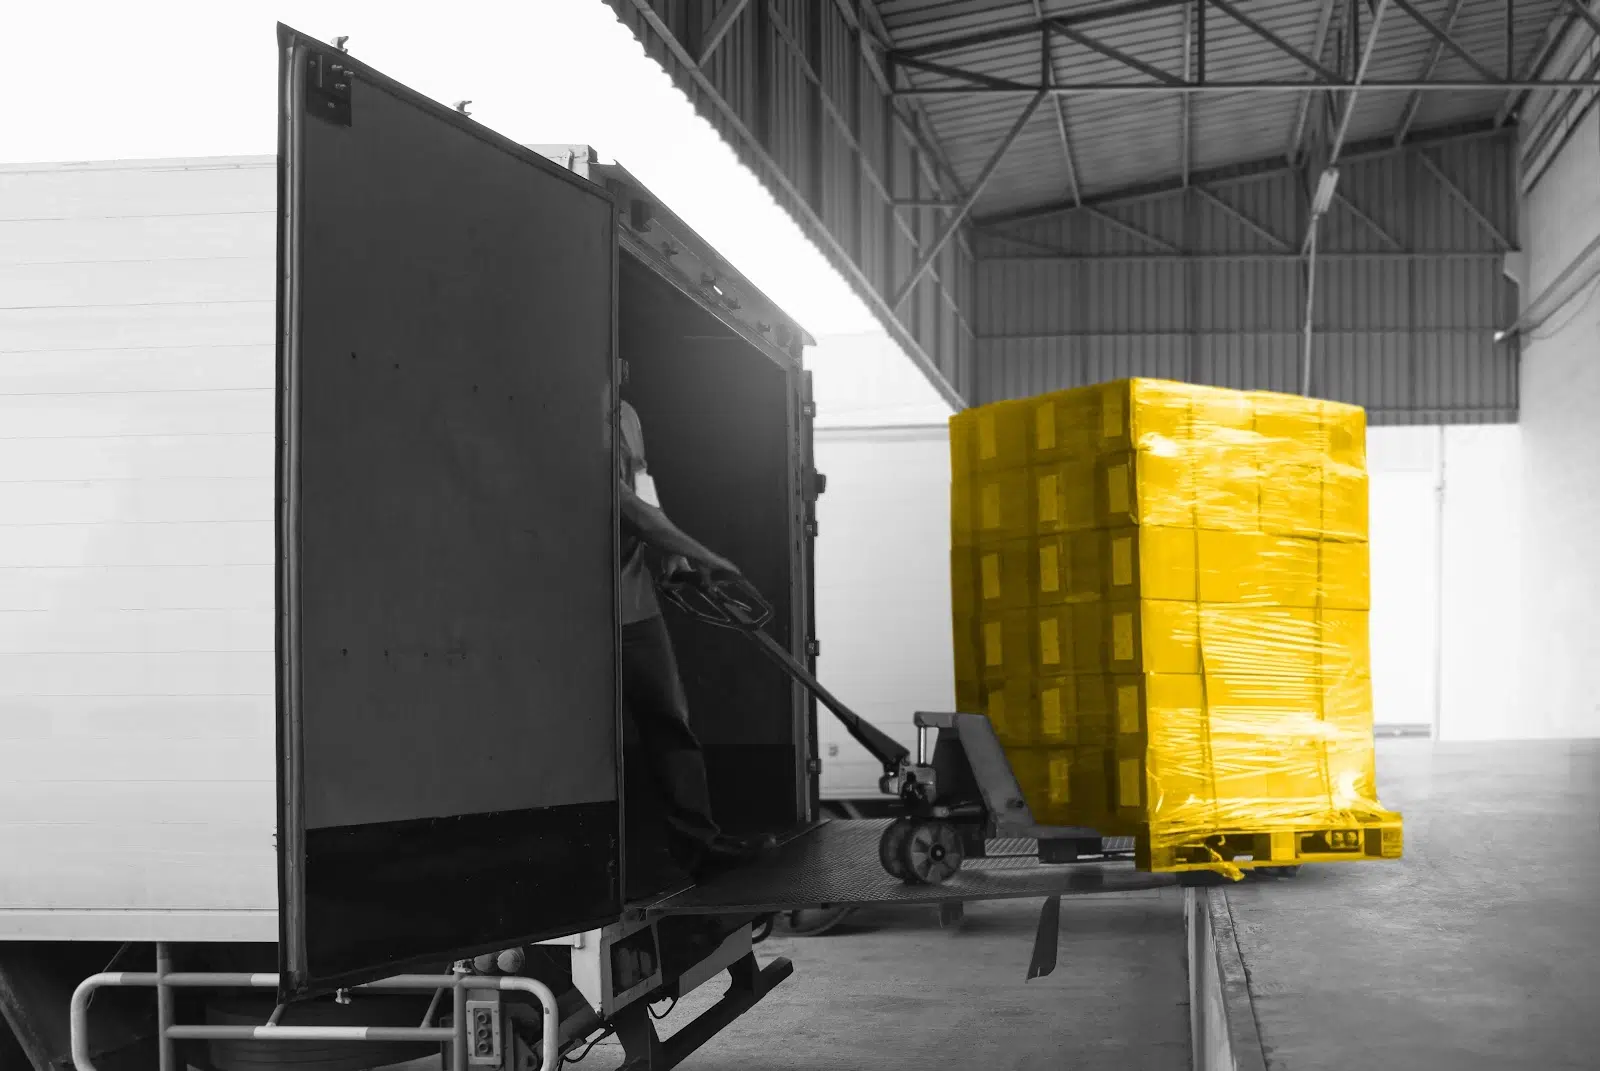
(883,565)
(1561,449)
(136,548)
(1481,612)
(865,379)
(883,589)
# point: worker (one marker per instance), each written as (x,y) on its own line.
(652,693)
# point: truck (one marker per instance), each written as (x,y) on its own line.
(320,732)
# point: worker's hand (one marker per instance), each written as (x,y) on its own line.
(719,568)
(708,569)
(677,570)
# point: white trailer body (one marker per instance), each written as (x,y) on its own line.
(137,797)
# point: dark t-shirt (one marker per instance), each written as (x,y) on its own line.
(637,587)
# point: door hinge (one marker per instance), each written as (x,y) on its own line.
(813,648)
(808,410)
(328,80)
(813,766)
(813,484)
(811,529)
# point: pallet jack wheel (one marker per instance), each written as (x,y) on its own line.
(890,846)
(932,853)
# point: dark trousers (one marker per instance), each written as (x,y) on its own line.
(652,695)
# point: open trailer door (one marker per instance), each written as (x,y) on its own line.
(446,533)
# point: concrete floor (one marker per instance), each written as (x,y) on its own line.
(1478,950)
(891,991)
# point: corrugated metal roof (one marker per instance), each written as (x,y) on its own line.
(1410,290)
(1119,140)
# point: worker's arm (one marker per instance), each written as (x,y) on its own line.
(655,529)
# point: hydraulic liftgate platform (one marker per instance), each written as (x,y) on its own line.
(836,864)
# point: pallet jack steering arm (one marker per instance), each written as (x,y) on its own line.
(734,603)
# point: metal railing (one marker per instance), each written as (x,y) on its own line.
(164,980)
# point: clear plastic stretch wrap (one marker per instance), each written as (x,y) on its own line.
(1160,600)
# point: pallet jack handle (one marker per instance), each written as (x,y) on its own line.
(734,603)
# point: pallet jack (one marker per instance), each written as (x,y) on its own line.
(957,791)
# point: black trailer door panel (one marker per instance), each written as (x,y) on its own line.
(447,533)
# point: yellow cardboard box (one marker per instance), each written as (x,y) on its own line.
(1152,636)
(1258,569)
(1150,561)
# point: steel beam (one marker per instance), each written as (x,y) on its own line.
(1243,219)
(1266,167)
(720,25)
(1210,332)
(1324,24)
(1356,86)
(1466,202)
(1535,66)
(1290,259)
(1409,115)
(1113,53)
(960,74)
(1366,218)
(1292,86)
(1026,243)
(1130,230)
(1581,9)
(1014,31)
(1310,63)
(1047,76)
(931,253)
(1185,116)
(1510,56)
(1313,224)
(1443,37)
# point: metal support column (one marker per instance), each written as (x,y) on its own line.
(1311,307)
(1327,182)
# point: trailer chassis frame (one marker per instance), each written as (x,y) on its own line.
(164,981)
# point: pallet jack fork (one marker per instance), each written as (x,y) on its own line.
(958,790)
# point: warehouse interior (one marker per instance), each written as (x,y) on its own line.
(1393,204)
(1386,204)
(1037,196)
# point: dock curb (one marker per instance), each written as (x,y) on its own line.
(1222,1022)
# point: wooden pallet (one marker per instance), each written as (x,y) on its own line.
(1250,849)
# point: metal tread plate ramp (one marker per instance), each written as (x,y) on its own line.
(836,864)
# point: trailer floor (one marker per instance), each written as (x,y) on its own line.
(1474,951)
(889,990)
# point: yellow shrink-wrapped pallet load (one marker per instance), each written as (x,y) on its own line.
(1160,602)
